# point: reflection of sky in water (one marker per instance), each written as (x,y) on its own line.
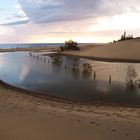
(24,72)
(57,76)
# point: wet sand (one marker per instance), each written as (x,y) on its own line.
(26,117)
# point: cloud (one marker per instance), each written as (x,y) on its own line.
(20,16)
(15,23)
(43,11)
(20,13)
(68,19)
(46,11)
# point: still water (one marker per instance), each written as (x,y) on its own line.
(72,77)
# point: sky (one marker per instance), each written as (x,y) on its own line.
(54,21)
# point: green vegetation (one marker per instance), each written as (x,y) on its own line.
(70,45)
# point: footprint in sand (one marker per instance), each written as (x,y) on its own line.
(114,130)
(15,107)
(97,124)
(126,134)
(20,108)
(92,122)
(107,115)
(32,109)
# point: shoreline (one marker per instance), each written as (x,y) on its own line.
(64,100)
(66,53)
(24,116)
(28,49)
(33,116)
(61,99)
(80,53)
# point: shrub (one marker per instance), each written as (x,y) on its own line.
(125,37)
(71,45)
(61,48)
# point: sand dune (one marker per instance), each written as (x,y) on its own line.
(122,50)
(24,117)
(119,51)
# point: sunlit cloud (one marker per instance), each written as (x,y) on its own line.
(20,13)
(126,21)
(5,30)
(59,20)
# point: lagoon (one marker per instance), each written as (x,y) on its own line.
(72,77)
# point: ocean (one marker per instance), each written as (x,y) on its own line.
(33,45)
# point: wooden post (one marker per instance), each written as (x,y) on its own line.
(94,75)
(110,79)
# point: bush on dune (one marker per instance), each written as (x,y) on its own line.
(70,45)
(125,37)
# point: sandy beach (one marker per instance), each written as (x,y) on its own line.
(69,70)
(119,51)
(26,117)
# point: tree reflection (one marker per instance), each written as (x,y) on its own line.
(87,71)
(76,62)
(57,60)
(131,78)
(76,73)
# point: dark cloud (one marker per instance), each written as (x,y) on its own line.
(43,11)
(46,11)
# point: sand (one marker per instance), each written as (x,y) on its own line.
(120,51)
(127,51)
(25,117)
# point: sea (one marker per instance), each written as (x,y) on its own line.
(33,45)
(29,45)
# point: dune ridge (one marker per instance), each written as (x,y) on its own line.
(127,51)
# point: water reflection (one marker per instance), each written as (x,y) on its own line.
(76,73)
(132,81)
(37,56)
(72,77)
(110,79)
(74,65)
(94,76)
(87,71)
(24,72)
(57,60)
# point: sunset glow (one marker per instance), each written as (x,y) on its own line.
(54,21)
